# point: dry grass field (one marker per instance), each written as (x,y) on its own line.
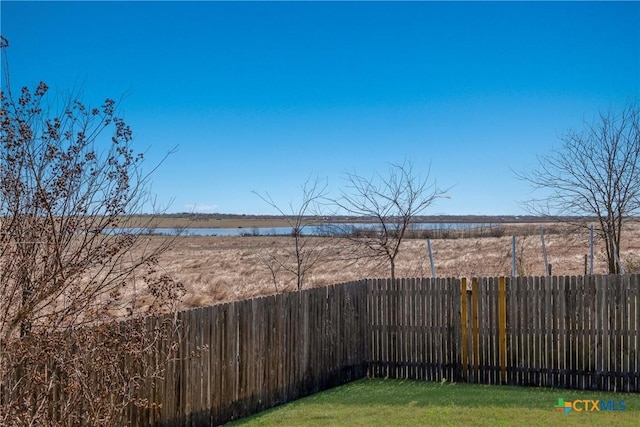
(219,269)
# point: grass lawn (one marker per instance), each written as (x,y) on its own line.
(380,402)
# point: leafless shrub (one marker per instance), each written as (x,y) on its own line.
(298,258)
(66,179)
(84,376)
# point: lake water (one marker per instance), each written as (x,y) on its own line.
(309,230)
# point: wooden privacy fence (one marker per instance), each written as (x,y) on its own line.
(565,332)
(239,358)
(568,332)
(414,328)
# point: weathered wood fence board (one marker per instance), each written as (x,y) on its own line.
(567,332)
(239,358)
(414,328)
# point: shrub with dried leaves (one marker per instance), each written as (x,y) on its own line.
(67,178)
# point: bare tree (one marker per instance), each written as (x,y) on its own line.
(66,179)
(391,202)
(595,173)
(304,252)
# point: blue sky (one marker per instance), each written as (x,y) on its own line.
(260,96)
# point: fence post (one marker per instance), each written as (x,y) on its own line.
(544,251)
(513,257)
(591,248)
(433,266)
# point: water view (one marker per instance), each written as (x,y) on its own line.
(308,230)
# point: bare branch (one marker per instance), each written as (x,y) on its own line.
(66,180)
(301,257)
(390,202)
(594,174)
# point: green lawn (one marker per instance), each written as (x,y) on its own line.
(379,402)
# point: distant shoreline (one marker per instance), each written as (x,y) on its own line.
(268,221)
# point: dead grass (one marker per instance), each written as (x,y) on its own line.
(219,269)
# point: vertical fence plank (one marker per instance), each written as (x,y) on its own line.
(394,325)
(529,300)
(369,331)
(475,328)
(406,326)
(383,332)
(502,329)
(444,330)
(522,311)
(547,324)
(303,344)
(388,355)
(373,313)
(200,379)
(380,318)
(484,318)
(510,294)
(421,330)
(376,319)
(448,329)
(571,324)
(601,325)
(513,318)
(185,402)
(411,332)
(401,324)
(518,333)
(431,332)
(625,350)
(232,370)
(215,344)
(561,332)
(591,325)
(533,296)
(634,331)
(438,323)
(540,332)
(493,330)
(607,348)
(456,309)
(617,313)
(582,344)
(464,325)
(451,316)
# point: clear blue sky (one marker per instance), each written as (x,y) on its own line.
(259,96)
